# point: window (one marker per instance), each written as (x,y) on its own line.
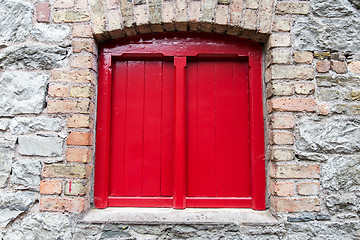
(180,123)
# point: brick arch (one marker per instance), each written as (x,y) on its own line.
(114,19)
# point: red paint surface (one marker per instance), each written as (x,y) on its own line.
(180,123)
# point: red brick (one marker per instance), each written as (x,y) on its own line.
(339,67)
(295,204)
(50,187)
(79,139)
(80,121)
(285,121)
(308,188)
(82,31)
(43,12)
(68,106)
(295,171)
(82,155)
(293,104)
(323,66)
(62,204)
(282,189)
(58,90)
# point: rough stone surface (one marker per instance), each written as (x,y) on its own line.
(7,146)
(26,172)
(22,92)
(21,125)
(15,20)
(40,146)
(31,57)
(50,32)
(4,123)
(341,137)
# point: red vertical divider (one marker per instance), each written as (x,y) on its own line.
(167,129)
(257,131)
(152,128)
(225,161)
(134,141)
(180,134)
(103,132)
(118,126)
(242,146)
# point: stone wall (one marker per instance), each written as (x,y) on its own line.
(48,79)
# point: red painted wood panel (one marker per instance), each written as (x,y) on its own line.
(142,114)
(218,163)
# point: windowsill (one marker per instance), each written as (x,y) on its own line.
(172,216)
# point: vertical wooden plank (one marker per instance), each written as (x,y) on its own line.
(134,129)
(167,129)
(206,129)
(118,126)
(180,133)
(224,129)
(257,131)
(192,165)
(241,130)
(152,128)
(103,133)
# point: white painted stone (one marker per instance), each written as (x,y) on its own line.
(15,20)
(7,215)
(4,123)
(27,172)
(21,125)
(22,92)
(50,32)
(40,146)
(7,146)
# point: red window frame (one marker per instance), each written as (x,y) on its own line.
(180,46)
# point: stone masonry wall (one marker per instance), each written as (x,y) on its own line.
(48,82)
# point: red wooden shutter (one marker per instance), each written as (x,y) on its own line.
(180,123)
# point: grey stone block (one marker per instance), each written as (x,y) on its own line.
(27,172)
(50,32)
(7,146)
(22,92)
(21,125)
(40,146)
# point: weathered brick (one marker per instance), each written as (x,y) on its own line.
(82,31)
(62,204)
(282,138)
(252,4)
(75,188)
(323,108)
(142,16)
(265,16)
(308,188)
(292,72)
(194,15)
(112,4)
(236,9)
(76,76)
(78,155)
(80,121)
(86,45)
(66,171)
(181,14)
(354,67)
(43,12)
(81,61)
(303,57)
(281,89)
(282,154)
(70,16)
(304,88)
(81,91)
(250,19)
(285,7)
(283,121)
(282,189)
(81,4)
(281,25)
(169,15)
(114,24)
(58,90)
(295,204)
(68,106)
(339,66)
(50,187)
(280,40)
(295,171)
(64,3)
(221,14)
(293,104)
(322,55)
(79,139)
(323,66)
